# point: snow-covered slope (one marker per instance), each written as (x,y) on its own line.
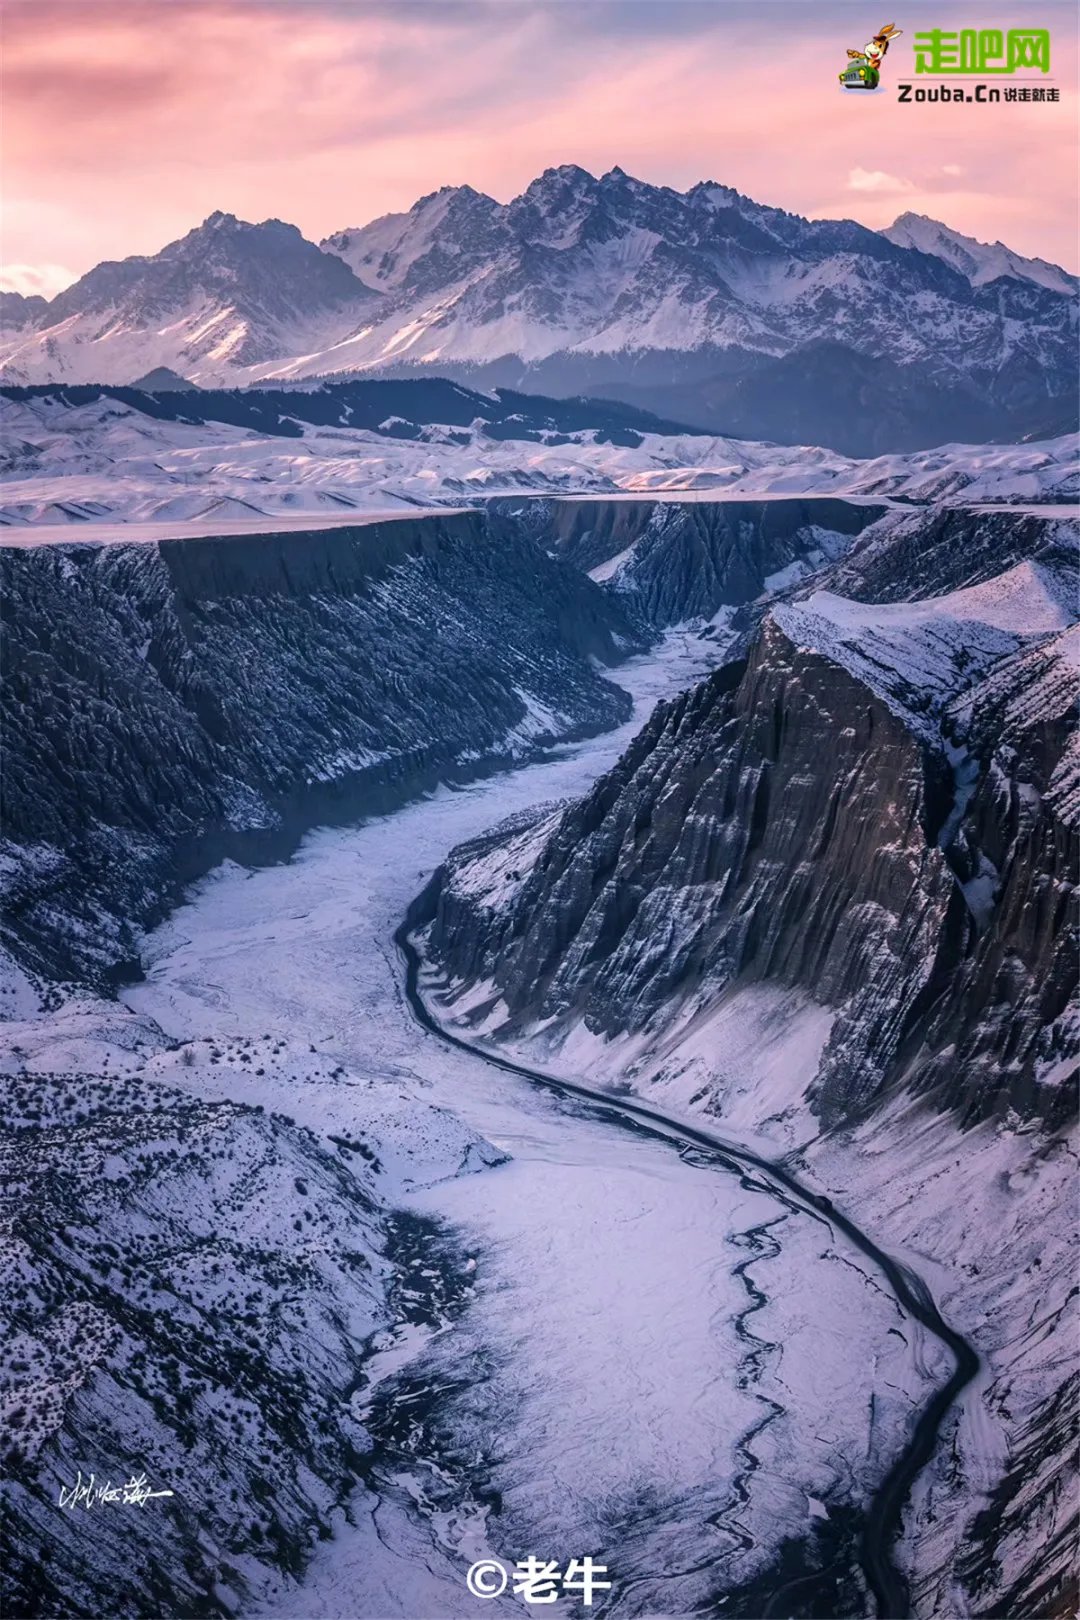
(757,320)
(134,459)
(227,296)
(979,261)
(919,655)
(191,1288)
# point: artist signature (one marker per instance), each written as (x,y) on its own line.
(87,1493)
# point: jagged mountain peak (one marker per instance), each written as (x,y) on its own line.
(567,173)
(439,238)
(224,256)
(447,197)
(164,380)
(703,305)
(224,224)
(237,292)
(979,262)
(18,310)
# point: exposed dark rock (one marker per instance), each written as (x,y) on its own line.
(790,822)
(163,381)
(166,705)
(21,309)
(931,551)
(691,558)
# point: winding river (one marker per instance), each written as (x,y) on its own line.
(714,1383)
(881,1521)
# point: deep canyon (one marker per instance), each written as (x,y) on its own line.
(762,813)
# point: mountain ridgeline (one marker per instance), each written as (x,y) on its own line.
(677,560)
(703,306)
(399,408)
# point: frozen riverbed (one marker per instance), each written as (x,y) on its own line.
(657,1364)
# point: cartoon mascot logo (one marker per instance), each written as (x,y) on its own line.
(863,71)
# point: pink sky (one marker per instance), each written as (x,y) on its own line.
(127,123)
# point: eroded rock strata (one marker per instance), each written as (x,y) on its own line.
(879,808)
(831,892)
(168,704)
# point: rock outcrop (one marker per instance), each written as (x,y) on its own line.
(168,704)
(877,806)
(675,560)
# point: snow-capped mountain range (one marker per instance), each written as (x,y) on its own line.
(703,304)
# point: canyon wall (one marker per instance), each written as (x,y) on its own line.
(168,704)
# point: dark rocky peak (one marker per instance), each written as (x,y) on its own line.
(465,196)
(565,177)
(740,218)
(270,251)
(163,380)
(553,208)
(568,206)
(562,205)
(21,309)
(451,208)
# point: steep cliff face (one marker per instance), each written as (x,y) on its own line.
(1008,1031)
(912,555)
(830,895)
(671,561)
(165,705)
(874,808)
(718,854)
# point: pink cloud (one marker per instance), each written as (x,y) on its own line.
(877,180)
(43,279)
(127,123)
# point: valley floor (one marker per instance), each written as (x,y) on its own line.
(618,1352)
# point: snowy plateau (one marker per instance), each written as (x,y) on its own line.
(539,945)
(92,455)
